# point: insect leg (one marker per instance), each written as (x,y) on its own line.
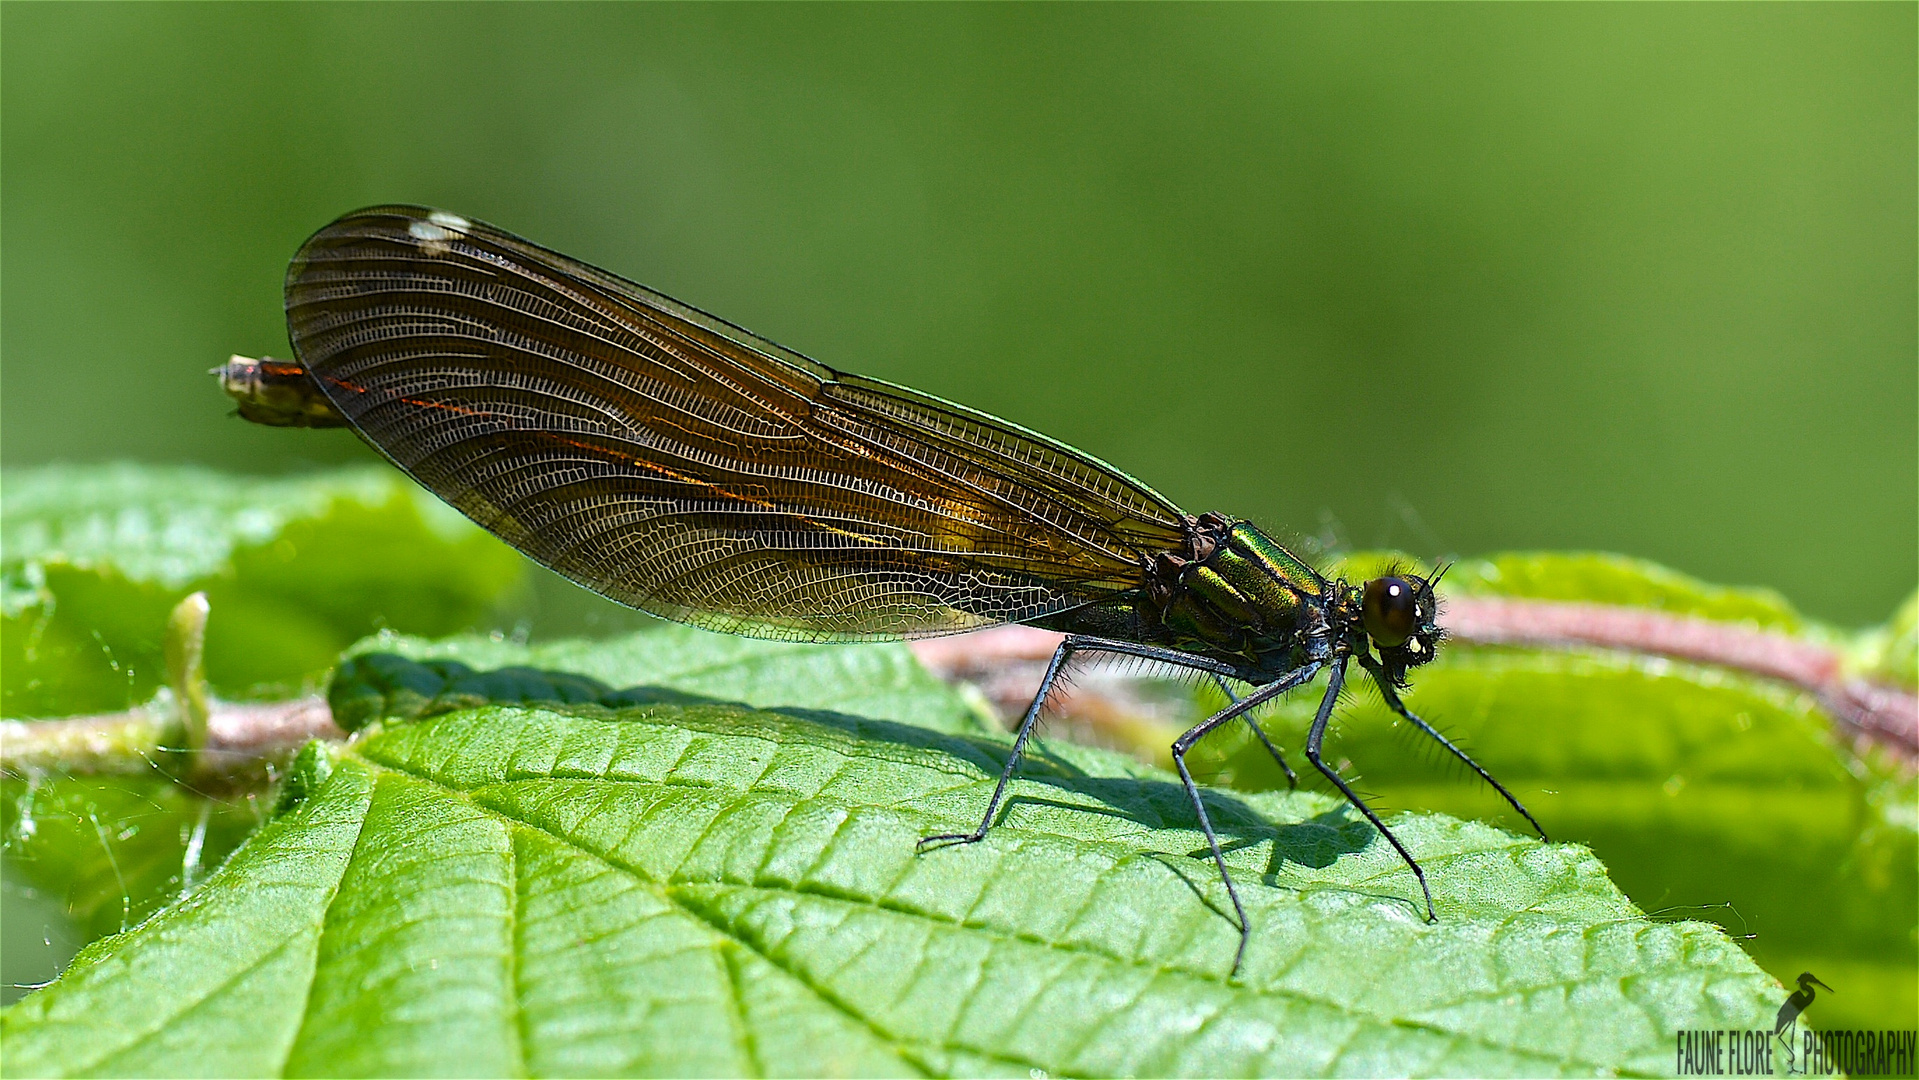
(1317,736)
(1292,781)
(1067,648)
(1239,707)
(1060,655)
(1151,652)
(1391,695)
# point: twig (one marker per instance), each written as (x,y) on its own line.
(1886,715)
(241,737)
(1883,714)
(1006,662)
(184,729)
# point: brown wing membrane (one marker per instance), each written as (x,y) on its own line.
(679,464)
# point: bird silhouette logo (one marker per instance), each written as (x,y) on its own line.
(1786,1025)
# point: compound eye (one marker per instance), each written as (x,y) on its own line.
(1390,608)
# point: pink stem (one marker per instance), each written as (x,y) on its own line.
(1885,714)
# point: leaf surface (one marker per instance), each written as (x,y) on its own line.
(111,851)
(1707,793)
(93,557)
(679,889)
(1602,578)
(297,568)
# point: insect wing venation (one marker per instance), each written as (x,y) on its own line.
(680,464)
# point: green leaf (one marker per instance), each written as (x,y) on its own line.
(1707,793)
(1594,577)
(111,851)
(1892,653)
(93,557)
(1602,578)
(686,889)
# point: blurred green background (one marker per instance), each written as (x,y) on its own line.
(1452,279)
(1449,279)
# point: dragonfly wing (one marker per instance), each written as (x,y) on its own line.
(684,466)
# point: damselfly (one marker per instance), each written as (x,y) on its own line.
(679,464)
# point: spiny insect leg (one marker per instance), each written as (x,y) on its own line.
(1316,737)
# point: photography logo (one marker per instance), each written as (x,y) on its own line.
(1791,1048)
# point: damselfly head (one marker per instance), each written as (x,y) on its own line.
(1398,612)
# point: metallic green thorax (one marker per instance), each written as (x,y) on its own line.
(1248,600)
(1234,595)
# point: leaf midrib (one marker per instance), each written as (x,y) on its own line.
(668,893)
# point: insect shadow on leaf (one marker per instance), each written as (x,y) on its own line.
(389,688)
